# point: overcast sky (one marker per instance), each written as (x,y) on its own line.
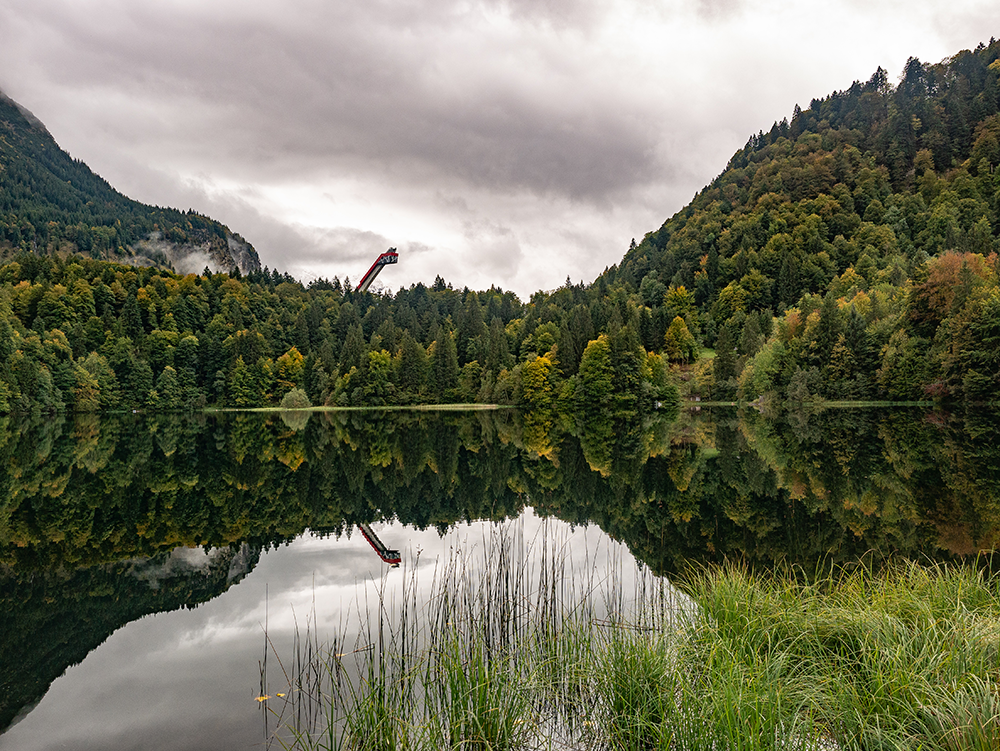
(513,143)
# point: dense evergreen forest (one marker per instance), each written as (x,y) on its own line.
(92,335)
(849,253)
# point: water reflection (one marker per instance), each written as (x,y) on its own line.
(105,520)
(490,592)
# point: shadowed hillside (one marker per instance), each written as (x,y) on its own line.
(50,202)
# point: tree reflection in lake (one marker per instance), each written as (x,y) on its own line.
(92,507)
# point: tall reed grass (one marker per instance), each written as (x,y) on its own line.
(516,650)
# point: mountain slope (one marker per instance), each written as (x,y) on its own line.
(50,202)
(870,163)
(884,199)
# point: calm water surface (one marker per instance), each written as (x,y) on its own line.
(143,559)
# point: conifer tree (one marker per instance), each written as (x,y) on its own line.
(596,375)
(827,331)
(471,329)
(627,360)
(353,353)
(168,389)
(724,366)
(444,366)
(242,385)
(497,353)
(412,368)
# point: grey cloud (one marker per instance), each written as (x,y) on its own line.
(349,252)
(414,248)
(304,251)
(344,243)
(275,241)
(495,247)
(539,127)
(368,92)
(719,9)
(560,14)
(351,244)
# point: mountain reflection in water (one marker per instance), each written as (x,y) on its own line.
(106,519)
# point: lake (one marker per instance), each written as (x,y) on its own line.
(160,574)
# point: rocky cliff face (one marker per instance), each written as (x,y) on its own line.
(207,252)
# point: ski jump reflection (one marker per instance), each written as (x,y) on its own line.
(388,555)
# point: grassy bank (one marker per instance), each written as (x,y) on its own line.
(505,656)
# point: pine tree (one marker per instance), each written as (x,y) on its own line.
(497,354)
(724,366)
(242,385)
(168,388)
(596,376)
(627,360)
(444,367)
(353,353)
(131,319)
(827,331)
(412,367)
(840,374)
(471,329)
(751,338)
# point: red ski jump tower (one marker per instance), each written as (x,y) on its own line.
(390,256)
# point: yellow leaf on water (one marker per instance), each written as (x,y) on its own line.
(280,694)
(263,698)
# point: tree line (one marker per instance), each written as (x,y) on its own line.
(849,253)
(89,335)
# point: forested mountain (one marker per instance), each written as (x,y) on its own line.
(52,203)
(850,251)
(88,321)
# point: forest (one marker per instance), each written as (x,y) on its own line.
(87,324)
(90,335)
(850,253)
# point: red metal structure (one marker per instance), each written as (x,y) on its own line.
(388,555)
(390,256)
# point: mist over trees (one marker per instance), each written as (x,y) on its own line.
(52,203)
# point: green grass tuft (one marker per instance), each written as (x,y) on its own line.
(506,656)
